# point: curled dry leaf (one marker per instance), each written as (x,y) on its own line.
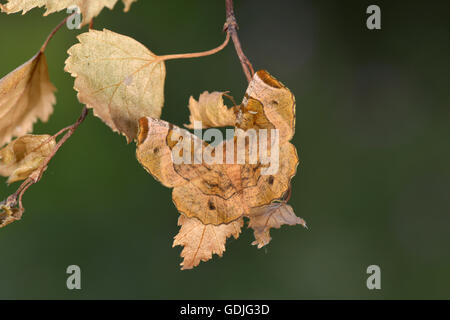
(210,111)
(89,8)
(22,157)
(274,215)
(9,215)
(268,102)
(201,241)
(117,77)
(26,94)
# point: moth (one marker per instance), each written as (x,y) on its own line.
(218,193)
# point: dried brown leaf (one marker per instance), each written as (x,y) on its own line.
(210,111)
(89,8)
(278,104)
(9,215)
(26,94)
(201,241)
(24,156)
(274,215)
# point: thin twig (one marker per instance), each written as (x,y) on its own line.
(195,54)
(50,36)
(230,97)
(231,28)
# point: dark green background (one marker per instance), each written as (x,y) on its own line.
(372,135)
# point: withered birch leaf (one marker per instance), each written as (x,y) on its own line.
(9,215)
(117,77)
(23,156)
(274,215)
(201,241)
(210,111)
(26,94)
(89,8)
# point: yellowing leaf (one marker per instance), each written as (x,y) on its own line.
(118,77)
(24,156)
(89,8)
(26,94)
(9,215)
(201,241)
(210,111)
(274,215)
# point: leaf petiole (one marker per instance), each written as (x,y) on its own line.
(195,54)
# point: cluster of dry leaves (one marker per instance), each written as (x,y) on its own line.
(123,82)
(89,8)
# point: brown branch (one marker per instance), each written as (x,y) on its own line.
(231,28)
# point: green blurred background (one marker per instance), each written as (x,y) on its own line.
(372,135)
